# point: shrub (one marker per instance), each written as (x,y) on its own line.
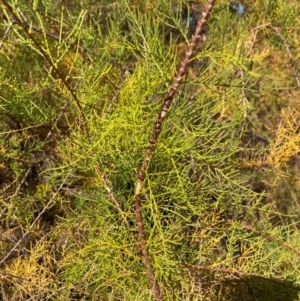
(119,185)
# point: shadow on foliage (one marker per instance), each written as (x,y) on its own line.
(227,285)
(257,288)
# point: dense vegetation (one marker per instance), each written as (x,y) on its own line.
(121,179)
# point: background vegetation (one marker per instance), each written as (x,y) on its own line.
(82,85)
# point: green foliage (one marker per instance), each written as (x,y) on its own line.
(79,99)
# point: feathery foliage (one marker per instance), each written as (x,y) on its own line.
(113,190)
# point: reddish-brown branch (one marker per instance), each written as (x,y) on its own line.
(111,194)
(151,147)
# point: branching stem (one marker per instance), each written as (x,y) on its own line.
(151,147)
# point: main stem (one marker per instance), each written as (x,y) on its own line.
(151,147)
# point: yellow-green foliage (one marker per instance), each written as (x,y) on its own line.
(81,87)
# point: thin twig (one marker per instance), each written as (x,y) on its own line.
(48,59)
(53,36)
(292,63)
(243,100)
(151,147)
(271,238)
(62,111)
(117,93)
(51,201)
(5,35)
(111,194)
